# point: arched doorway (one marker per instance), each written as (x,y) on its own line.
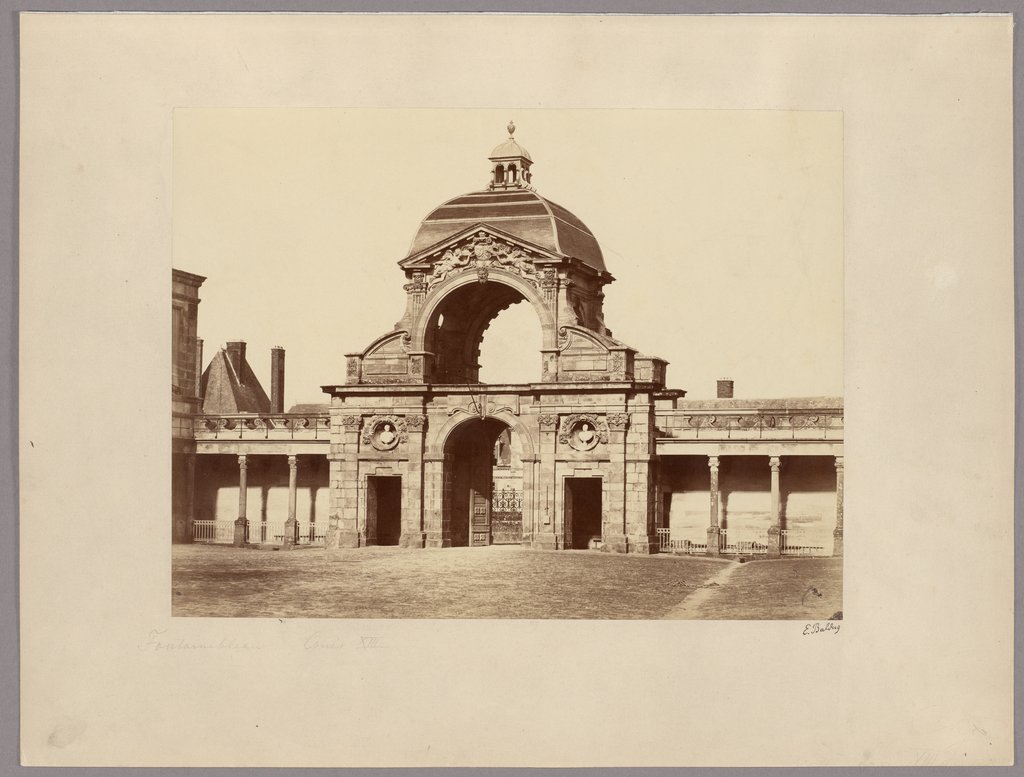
(483,484)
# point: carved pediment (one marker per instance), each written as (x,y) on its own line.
(479,251)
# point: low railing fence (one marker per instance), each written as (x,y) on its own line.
(265,532)
(799,542)
(213,531)
(666,544)
(742,542)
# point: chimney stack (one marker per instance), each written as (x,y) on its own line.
(277,379)
(725,389)
(236,355)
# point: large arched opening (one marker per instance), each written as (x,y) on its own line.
(510,348)
(454,325)
(482,500)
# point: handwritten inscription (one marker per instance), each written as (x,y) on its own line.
(829,627)
(317,641)
(320,641)
(158,641)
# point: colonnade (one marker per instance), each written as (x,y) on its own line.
(291,526)
(714,530)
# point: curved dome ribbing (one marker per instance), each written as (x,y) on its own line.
(519,212)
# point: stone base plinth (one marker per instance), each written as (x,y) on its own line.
(337,538)
(774,542)
(616,543)
(545,542)
(241,532)
(437,540)
(714,544)
(837,542)
(291,533)
(413,540)
(644,545)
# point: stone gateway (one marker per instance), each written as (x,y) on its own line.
(599,454)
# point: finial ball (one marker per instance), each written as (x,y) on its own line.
(511,128)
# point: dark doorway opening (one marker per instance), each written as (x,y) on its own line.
(582,512)
(384,507)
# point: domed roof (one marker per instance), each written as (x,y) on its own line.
(517,211)
(510,148)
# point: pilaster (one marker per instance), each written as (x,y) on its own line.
(544,535)
(436,485)
(413,530)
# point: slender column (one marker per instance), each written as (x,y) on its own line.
(837,534)
(713,529)
(291,526)
(241,523)
(775,530)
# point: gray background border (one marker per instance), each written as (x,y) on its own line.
(9,50)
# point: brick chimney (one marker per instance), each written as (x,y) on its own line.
(236,355)
(725,389)
(277,379)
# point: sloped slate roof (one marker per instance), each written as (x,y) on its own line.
(519,212)
(226,391)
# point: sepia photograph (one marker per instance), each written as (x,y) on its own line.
(512,361)
(500,451)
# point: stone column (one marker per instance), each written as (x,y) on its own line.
(775,530)
(241,523)
(291,526)
(713,529)
(837,534)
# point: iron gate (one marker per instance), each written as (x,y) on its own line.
(507,516)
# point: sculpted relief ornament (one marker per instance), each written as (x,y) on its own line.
(583,431)
(480,252)
(384,432)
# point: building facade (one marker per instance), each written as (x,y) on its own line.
(413,450)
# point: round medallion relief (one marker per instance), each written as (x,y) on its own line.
(583,436)
(385,436)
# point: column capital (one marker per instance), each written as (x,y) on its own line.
(713,462)
(775,462)
(243,460)
(839,462)
(293,462)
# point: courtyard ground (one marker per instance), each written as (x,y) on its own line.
(495,582)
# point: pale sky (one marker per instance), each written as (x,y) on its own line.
(723,229)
